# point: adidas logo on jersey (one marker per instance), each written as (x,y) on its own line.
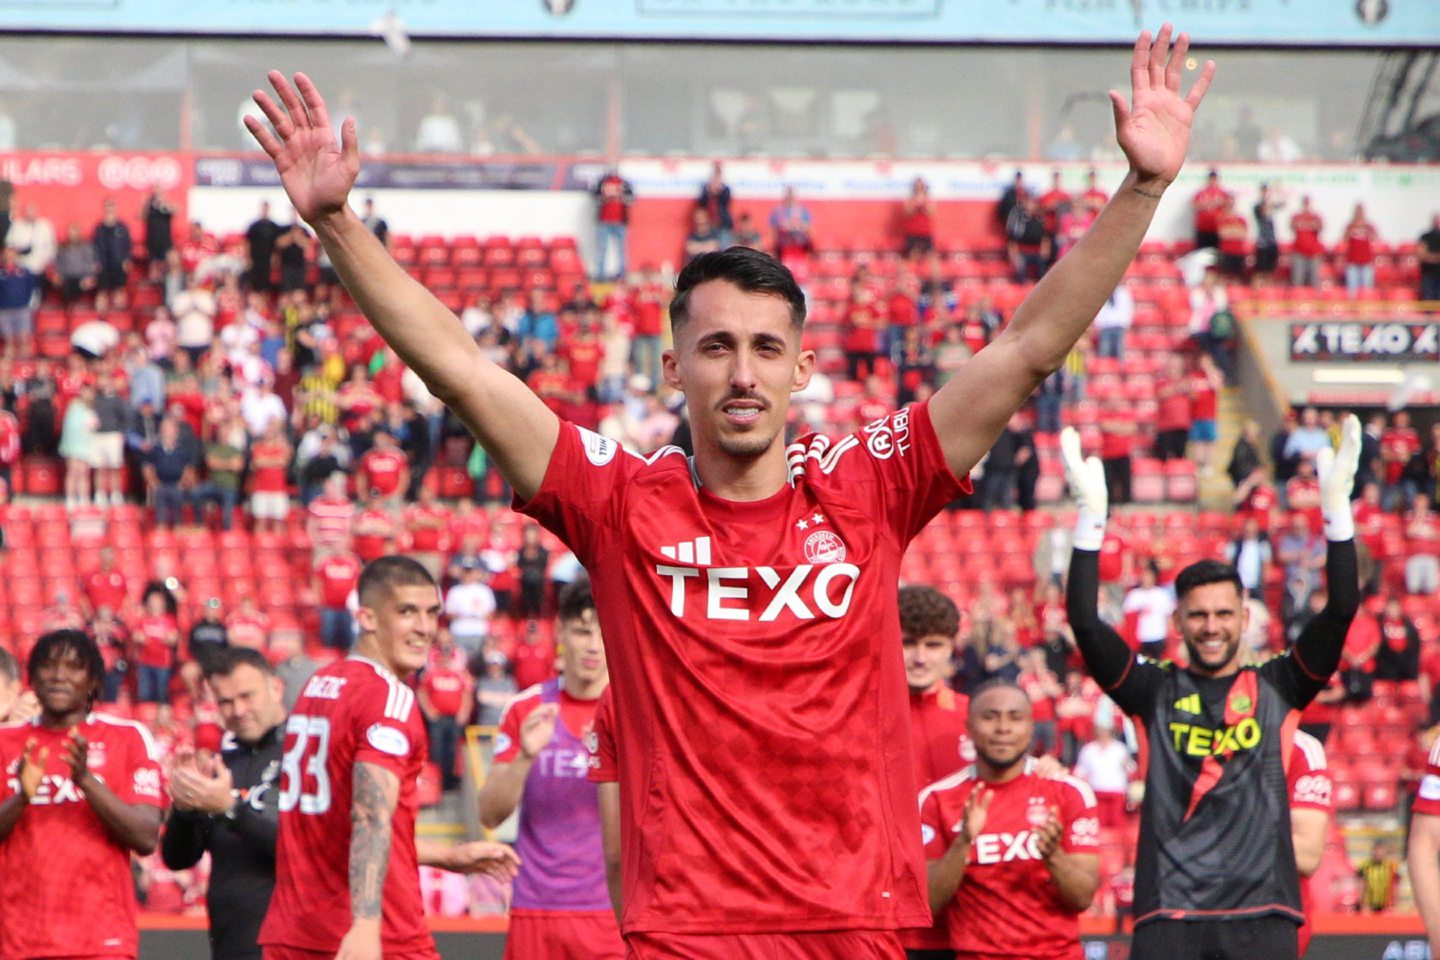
(1190,704)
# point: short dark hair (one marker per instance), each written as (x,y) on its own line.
(995,683)
(925,611)
(9,666)
(388,573)
(55,644)
(224,662)
(751,270)
(1203,572)
(575,599)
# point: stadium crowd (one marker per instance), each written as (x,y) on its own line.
(222,396)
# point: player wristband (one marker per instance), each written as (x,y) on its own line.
(1089,530)
(1339,524)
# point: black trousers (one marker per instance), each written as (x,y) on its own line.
(1270,938)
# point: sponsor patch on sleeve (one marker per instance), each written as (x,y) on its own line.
(1430,787)
(388,740)
(927,833)
(598,450)
(502,743)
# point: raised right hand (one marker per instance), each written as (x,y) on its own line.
(317,173)
(538,728)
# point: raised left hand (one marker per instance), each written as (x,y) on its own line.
(1154,127)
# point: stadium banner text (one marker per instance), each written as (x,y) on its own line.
(1392,341)
(1247,22)
(69,187)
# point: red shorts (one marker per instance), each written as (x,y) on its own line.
(272,952)
(563,935)
(849,944)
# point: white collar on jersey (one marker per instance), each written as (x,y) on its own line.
(380,668)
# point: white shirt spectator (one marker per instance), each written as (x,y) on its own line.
(1118,311)
(236,339)
(259,408)
(470,607)
(95,337)
(35,242)
(194,312)
(439,133)
(1154,604)
(1105,767)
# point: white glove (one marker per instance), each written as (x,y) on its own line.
(1087,485)
(1336,469)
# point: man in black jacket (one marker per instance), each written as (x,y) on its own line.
(228,805)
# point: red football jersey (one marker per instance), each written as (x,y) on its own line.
(338,574)
(65,883)
(106,590)
(351,711)
(942,746)
(600,741)
(755,653)
(1006,904)
(1427,795)
(1310,787)
(381,470)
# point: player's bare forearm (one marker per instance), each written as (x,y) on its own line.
(511,423)
(10,812)
(943,876)
(1307,835)
(376,792)
(973,407)
(1423,860)
(1076,877)
(608,795)
(502,791)
(135,825)
(431,853)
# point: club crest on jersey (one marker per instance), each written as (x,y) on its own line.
(824,546)
(592,742)
(95,755)
(1240,703)
(1037,814)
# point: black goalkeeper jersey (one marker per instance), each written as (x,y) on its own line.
(1215,825)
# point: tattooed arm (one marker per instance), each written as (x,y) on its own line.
(376,791)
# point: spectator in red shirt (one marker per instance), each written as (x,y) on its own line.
(1118,427)
(651,300)
(1043,690)
(1360,238)
(1206,381)
(1209,203)
(336,573)
(9,452)
(1055,203)
(534,658)
(1093,199)
(106,587)
(613,197)
(383,471)
(1398,444)
(158,637)
(1234,240)
(329,516)
(428,522)
(269,485)
(1172,421)
(247,625)
(917,226)
(374,531)
(1306,252)
(445,700)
